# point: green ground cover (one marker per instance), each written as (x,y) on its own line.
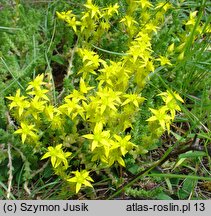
(105,99)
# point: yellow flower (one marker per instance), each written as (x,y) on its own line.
(151,27)
(64,15)
(128,21)
(99,137)
(49,111)
(115,155)
(19,102)
(133,98)
(93,8)
(36,83)
(27,130)
(38,91)
(69,18)
(164,60)
(57,121)
(83,88)
(36,107)
(90,57)
(108,99)
(57,156)
(99,154)
(39,94)
(123,144)
(162,117)
(81,178)
(111,9)
(192,18)
(76,96)
(72,108)
(109,74)
(168,96)
(91,61)
(171,102)
(144,3)
(73,23)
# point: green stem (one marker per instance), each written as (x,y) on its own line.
(110,52)
(166,175)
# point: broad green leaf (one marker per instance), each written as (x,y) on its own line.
(187,188)
(192,154)
(163,196)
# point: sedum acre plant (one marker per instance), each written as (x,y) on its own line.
(90,123)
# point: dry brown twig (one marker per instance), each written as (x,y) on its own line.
(10,167)
(70,66)
(25,186)
(9,171)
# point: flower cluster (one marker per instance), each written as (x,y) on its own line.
(165,115)
(106,99)
(92,23)
(37,115)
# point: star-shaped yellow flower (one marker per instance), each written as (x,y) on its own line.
(81,178)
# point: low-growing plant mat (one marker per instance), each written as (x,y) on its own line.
(105,99)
